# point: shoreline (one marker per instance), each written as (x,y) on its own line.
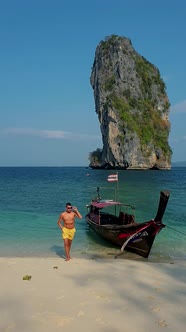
(100,256)
(91,294)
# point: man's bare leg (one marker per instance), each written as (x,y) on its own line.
(67,245)
(70,243)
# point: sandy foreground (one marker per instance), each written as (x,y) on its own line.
(110,295)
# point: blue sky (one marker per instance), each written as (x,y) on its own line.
(47,111)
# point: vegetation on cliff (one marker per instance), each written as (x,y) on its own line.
(95,157)
(146,122)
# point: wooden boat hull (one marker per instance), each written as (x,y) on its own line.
(141,236)
(133,237)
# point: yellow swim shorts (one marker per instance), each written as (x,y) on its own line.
(68,233)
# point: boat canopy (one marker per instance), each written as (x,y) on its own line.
(104,204)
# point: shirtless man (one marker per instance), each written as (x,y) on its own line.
(68,229)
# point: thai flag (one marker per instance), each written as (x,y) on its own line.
(112,178)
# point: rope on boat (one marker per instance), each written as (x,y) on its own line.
(176,230)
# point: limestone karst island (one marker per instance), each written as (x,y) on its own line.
(132,107)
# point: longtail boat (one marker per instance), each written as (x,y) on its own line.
(120,227)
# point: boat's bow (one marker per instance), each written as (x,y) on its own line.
(164,197)
(142,240)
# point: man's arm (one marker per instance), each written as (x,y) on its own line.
(60,220)
(77,213)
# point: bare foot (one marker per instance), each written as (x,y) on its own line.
(67,259)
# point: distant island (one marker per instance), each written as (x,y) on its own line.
(179,164)
(132,107)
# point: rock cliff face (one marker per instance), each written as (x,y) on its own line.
(132,108)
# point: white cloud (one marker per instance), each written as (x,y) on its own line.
(48,134)
(179,108)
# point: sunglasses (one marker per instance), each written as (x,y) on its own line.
(69,207)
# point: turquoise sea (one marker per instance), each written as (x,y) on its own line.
(31,199)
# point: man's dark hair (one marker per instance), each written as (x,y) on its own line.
(67,204)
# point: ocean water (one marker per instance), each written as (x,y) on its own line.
(31,199)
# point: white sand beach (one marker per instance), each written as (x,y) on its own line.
(103,295)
